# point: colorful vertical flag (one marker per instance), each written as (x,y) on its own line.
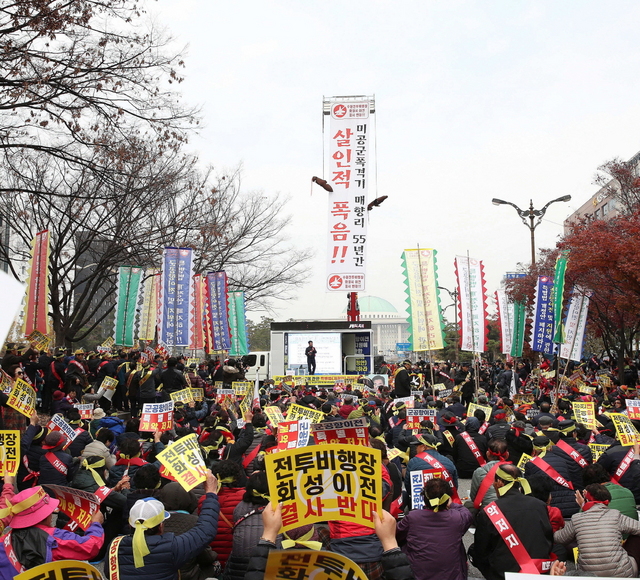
(350,141)
(149,310)
(37,299)
(176,297)
(472,308)
(129,279)
(217,312)
(543,317)
(237,325)
(197,325)
(558,295)
(426,327)
(505,320)
(519,319)
(575,325)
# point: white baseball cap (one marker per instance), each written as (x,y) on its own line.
(145,509)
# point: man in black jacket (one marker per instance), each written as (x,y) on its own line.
(172,379)
(530,527)
(402,381)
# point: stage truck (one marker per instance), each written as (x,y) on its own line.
(344,348)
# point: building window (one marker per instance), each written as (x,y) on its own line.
(596,214)
(605,209)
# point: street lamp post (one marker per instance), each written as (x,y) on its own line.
(531,214)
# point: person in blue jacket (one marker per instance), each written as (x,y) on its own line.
(150,554)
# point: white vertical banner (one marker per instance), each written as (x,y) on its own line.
(575,325)
(471,304)
(349,137)
(505,312)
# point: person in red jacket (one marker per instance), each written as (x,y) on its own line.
(347,408)
(229,474)
(360,543)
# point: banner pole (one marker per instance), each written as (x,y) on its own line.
(426,316)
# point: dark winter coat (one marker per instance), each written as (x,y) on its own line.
(465,460)
(246,535)
(33,453)
(168,552)
(79,443)
(50,475)
(181,523)
(562,497)
(612,458)
(498,430)
(517,445)
(528,518)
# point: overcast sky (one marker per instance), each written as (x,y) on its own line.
(474,100)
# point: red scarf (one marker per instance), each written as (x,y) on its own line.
(587,505)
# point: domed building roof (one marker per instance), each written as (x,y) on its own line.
(376,307)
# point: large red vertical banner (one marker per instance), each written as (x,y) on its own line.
(37,301)
(197,329)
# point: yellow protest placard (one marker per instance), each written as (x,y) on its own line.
(61,570)
(197,394)
(193,361)
(39,341)
(297,412)
(312,564)
(585,413)
(6,383)
(326,482)
(586,389)
(22,398)
(327,379)
(109,342)
(9,452)
(523,399)
(109,384)
(184,396)
(597,449)
(183,459)
(474,406)
(274,415)
(241,387)
(626,432)
(524,460)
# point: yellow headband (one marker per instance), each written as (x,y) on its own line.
(92,468)
(526,488)
(424,442)
(437,502)
(302,540)
(25,504)
(140,548)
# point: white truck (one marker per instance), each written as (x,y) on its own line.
(261,369)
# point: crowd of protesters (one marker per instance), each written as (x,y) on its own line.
(536,491)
